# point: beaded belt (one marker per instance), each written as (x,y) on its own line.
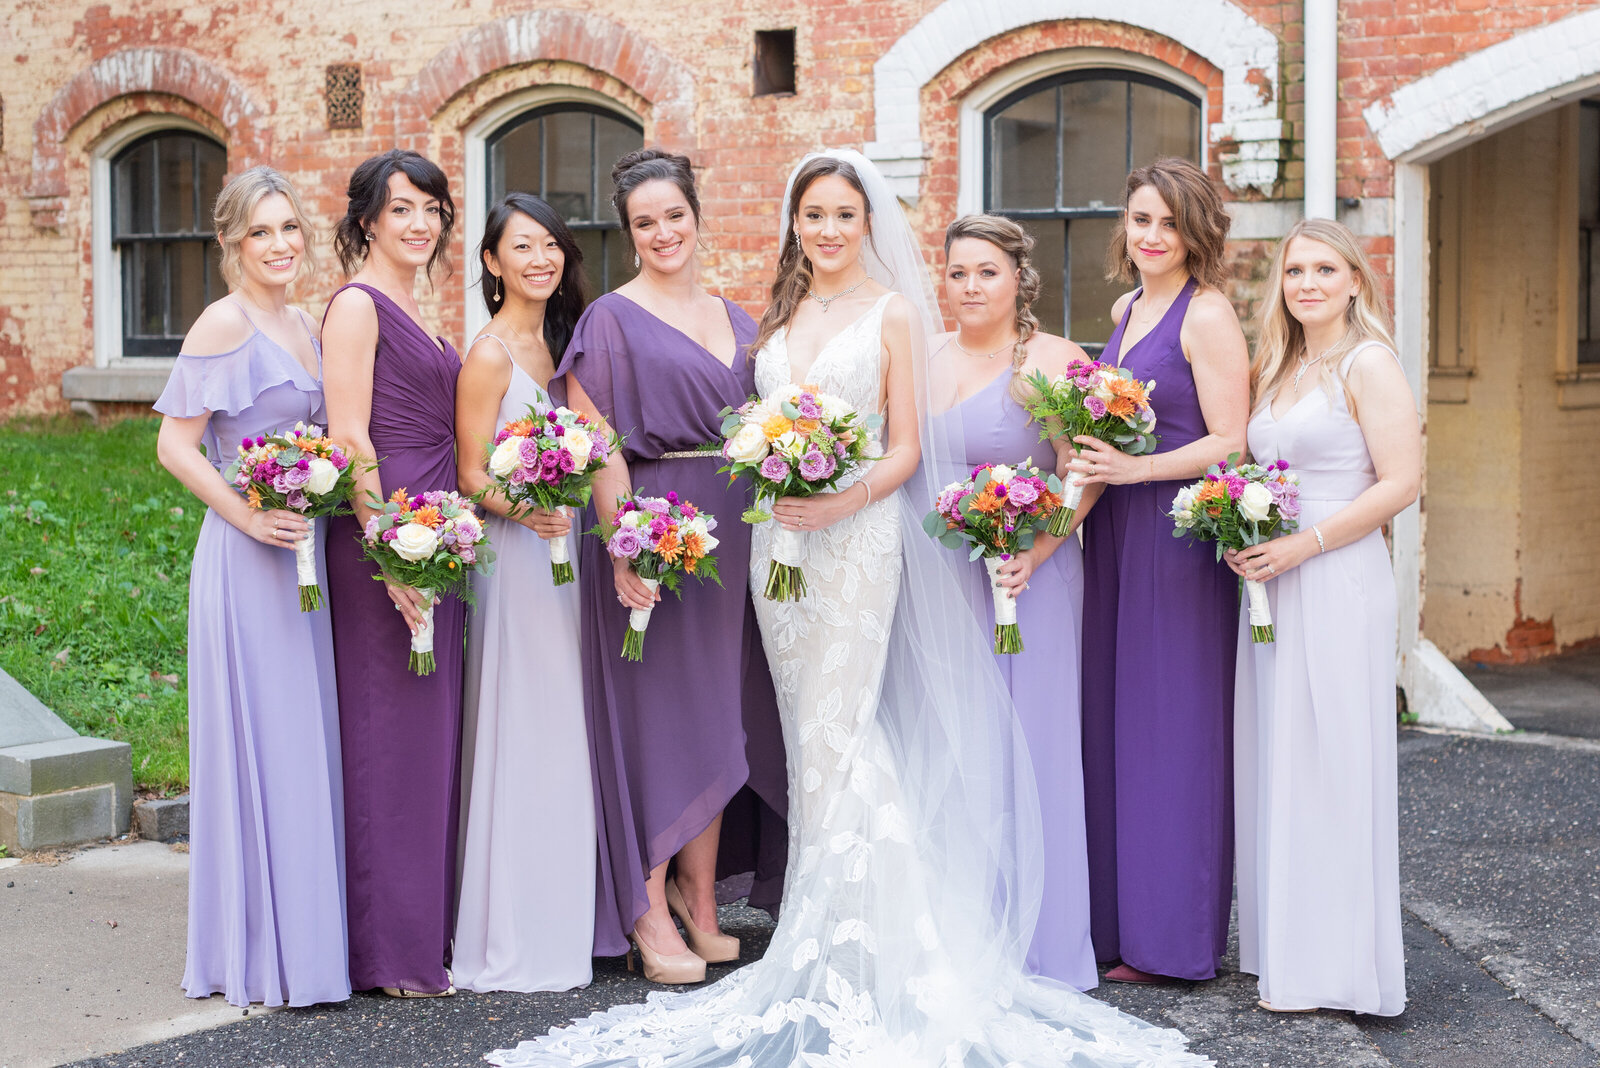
(691,454)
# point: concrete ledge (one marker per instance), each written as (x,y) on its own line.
(162,821)
(25,719)
(122,383)
(60,819)
(1443,697)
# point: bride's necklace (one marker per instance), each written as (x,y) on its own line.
(1305,365)
(825,301)
(955,340)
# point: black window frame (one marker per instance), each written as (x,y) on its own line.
(601,219)
(1067,213)
(124,240)
(1588,313)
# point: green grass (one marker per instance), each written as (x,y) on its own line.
(95,544)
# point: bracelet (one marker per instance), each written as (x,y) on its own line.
(1322,546)
(867,486)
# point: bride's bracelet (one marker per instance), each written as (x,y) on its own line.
(868,487)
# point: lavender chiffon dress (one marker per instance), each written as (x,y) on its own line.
(1158,668)
(692,730)
(1043,679)
(402,732)
(266,834)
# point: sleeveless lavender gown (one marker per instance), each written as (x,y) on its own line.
(676,738)
(1158,701)
(402,732)
(1044,686)
(266,834)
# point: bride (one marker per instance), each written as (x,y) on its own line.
(913,880)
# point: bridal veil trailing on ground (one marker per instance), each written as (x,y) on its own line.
(914,841)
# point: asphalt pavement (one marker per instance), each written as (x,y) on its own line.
(1500,871)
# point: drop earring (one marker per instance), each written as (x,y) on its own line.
(497,289)
(636,261)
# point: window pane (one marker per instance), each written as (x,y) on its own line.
(213,161)
(569,171)
(134,178)
(175,175)
(1094,143)
(188,294)
(514,161)
(613,140)
(1164,124)
(593,259)
(1092,295)
(1049,259)
(1589,165)
(1024,154)
(145,283)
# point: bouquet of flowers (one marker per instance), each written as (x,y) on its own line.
(301,471)
(1237,505)
(548,459)
(1099,400)
(429,542)
(996,512)
(662,538)
(795,443)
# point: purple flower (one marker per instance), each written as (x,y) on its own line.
(948,499)
(840,448)
(338,459)
(1289,507)
(816,465)
(565,463)
(1236,485)
(655,505)
(1096,406)
(468,554)
(391,534)
(672,497)
(1282,465)
(372,528)
(625,543)
(528,452)
(689,511)
(1024,491)
(303,464)
(297,500)
(245,443)
(296,477)
(809,409)
(774,468)
(658,526)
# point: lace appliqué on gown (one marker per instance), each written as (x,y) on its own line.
(860,973)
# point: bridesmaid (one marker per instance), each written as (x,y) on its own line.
(675,738)
(525,918)
(1314,737)
(990,285)
(1158,665)
(266,880)
(391,386)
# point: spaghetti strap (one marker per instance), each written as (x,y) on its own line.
(502,343)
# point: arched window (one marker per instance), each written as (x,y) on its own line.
(563,153)
(1056,155)
(163,188)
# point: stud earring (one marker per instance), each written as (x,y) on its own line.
(369,237)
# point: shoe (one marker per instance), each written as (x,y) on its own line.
(711,948)
(1273,1008)
(675,970)
(449,990)
(1127,973)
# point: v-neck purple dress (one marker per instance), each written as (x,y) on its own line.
(402,732)
(676,738)
(1158,667)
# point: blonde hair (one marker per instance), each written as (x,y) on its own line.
(1281,340)
(1017,244)
(237,202)
(1197,212)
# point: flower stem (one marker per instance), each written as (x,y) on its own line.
(1007,638)
(633,645)
(561,573)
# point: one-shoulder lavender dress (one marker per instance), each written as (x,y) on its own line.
(266,835)
(692,730)
(1044,687)
(402,732)
(1158,666)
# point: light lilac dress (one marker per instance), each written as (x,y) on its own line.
(525,904)
(1044,687)
(1314,744)
(266,828)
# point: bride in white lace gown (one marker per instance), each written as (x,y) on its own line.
(912,885)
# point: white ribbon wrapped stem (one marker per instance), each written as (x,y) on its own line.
(559,552)
(305,555)
(788,547)
(1260,609)
(1005,606)
(1071,494)
(422,640)
(639,618)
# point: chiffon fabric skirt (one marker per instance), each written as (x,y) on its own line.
(1316,790)
(266,845)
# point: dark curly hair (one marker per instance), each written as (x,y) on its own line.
(651,165)
(369,193)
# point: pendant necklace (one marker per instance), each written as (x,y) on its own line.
(955,339)
(825,301)
(1305,365)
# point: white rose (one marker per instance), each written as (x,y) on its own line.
(1255,503)
(1102,391)
(699,526)
(789,444)
(577,442)
(833,407)
(748,446)
(322,475)
(631,519)
(1001,473)
(1183,503)
(415,542)
(507,457)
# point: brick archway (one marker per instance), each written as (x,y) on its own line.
(592,41)
(169,71)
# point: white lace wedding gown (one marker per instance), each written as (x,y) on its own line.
(865,970)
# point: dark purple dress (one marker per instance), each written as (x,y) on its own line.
(1160,620)
(401,732)
(693,728)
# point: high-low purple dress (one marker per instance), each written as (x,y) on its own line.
(676,738)
(1044,687)
(266,872)
(1158,667)
(402,732)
